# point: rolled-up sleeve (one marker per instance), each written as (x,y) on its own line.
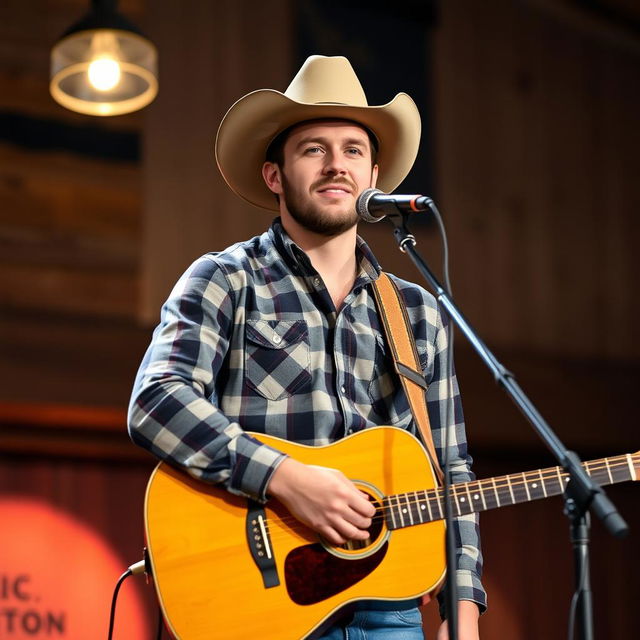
(174,411)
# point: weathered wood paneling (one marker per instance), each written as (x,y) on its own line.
(537,147)
(69,223)
(212,55)
(69,233)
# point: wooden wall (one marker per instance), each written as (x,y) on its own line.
(69,220)
(535,115)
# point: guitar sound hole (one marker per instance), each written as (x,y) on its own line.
(375,530)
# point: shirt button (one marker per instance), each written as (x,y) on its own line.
(276,338)
(343,389)
(316,281)
(350,431)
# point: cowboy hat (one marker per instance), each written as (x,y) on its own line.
(325,87)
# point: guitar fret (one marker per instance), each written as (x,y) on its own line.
(526,485)
(544,487)
(535,488)
(606,463)
(562,479)
(619,469)
(472,506)
(411,504)
(399,511)
(488,498)
(481,492)
(420,507)
(513,500)
(428,503)
(389,510)
(409,509)
(554,481)
(465,503)
(495,490)
(455,497)
(599,473)
(519,489)
(632,470)
(438,501)
(480,495)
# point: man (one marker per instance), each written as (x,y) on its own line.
(280,334)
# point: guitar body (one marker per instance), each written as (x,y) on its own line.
(207,575)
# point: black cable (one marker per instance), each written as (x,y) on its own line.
(112,616)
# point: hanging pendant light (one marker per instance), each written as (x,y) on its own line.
(103,65)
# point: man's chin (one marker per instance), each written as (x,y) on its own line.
(324,224)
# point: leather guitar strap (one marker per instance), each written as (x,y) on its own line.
(400,338)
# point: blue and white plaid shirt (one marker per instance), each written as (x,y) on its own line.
(249,340)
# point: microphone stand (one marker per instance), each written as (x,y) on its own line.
(581,494)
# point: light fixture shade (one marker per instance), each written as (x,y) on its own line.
(103,67)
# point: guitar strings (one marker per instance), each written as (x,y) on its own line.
(497,484)
(501,483)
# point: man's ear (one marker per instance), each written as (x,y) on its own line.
(374,175)
(272,177)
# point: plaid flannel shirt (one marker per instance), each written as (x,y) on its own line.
(249,340)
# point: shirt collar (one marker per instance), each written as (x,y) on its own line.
(299,263)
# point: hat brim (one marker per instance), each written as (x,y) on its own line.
(256,119)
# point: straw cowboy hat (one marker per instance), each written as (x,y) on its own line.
(325,87)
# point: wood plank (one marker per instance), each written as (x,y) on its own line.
(22,245)
(62,416)
(189,210)
(538,148)
(64,210)
(66,430)
(103,293)
(69,233)
(60,165)
(49,358)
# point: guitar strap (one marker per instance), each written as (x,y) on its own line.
(400,338)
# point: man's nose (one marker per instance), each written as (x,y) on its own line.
(334,164)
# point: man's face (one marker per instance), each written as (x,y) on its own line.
(327,165)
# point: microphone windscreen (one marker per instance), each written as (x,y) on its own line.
(362,205)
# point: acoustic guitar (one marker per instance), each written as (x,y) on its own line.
(227,568)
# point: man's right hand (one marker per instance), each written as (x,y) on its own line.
(323,499)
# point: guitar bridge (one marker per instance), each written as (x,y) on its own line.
(260,544)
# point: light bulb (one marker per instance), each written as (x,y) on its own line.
(104,73)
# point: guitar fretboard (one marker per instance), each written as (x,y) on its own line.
(417,507)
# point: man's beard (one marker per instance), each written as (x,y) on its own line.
(310,216)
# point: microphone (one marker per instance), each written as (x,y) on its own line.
(373,205)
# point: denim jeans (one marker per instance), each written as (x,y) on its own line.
(379,625)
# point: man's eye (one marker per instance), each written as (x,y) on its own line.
(354,151)
(313,150)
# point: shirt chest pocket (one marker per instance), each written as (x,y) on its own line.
(277,362)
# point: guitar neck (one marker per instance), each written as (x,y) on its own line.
(417,507)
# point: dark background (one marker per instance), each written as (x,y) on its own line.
(530,147)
